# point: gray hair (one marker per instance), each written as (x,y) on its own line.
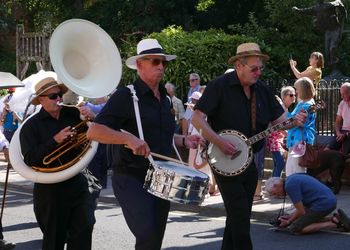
(170,86)
(271,182)
(346,85)
(285,90)
(195,75)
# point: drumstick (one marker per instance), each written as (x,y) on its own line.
(168,158)
(157,155)
(198,159)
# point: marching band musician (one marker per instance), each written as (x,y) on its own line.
(145,214)
(228,103)
(64,210)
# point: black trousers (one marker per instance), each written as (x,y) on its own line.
(1,234)
(237,193)
(65,214)
(145,214)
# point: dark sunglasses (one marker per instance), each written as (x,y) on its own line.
(156,61)
(53,96)
(291,95)
(192,80)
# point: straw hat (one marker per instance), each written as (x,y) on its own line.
(246,50)
(44,85)
(147,47)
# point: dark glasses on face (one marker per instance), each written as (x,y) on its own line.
(155,61)
(255,69)
(53,96)
(192,80)
(291,95)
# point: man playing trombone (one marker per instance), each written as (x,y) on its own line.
(145,214)
(64,210)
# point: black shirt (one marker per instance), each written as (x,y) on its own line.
(36,137)
(158,124)
(227,106)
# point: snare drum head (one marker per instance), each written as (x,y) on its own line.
(181,169)
(222,163)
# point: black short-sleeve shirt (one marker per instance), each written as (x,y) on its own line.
(158,124)
(36,137)
(227,107)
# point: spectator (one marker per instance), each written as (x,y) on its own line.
(314,71)
(312,200)
(276,140)
(329,18)
(194,86)
(305,134)
(9,119)
(178,107)
(342,122)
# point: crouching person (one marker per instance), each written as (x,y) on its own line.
(313,202)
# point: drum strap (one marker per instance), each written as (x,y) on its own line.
(139,124)
(138,119)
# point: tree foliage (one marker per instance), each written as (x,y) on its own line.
(203,52)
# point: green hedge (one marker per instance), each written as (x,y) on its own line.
(203,52)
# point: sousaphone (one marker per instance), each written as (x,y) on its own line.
(88,62)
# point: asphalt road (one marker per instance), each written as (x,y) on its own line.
(185,230)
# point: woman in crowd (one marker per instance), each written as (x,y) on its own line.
(298,135)
(314,71)
(276,140)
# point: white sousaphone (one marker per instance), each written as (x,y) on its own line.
(88,62)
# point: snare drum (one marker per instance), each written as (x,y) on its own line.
(177,183)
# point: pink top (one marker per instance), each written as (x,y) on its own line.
(275,141)
(344,112)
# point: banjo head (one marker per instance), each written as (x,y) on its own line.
(222,163)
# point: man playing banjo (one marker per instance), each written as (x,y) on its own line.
(145,214)
(254,108)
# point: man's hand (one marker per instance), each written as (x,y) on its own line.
(87,112)
(192,141)
(300,118)
(284,222)
(63,134)
(341,137)
(138,146)
(227,147)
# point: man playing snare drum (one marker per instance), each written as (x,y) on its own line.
(229,102)
(145,214)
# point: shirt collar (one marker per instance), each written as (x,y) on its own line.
(143,88)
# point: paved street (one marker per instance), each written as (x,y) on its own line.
(185,230)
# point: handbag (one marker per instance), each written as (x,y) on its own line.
(311,157)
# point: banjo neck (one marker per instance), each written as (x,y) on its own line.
(281,125)
(268,131)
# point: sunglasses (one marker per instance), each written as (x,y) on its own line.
(53,96)
(192,80)
(156,61)
(291,95)
(255,69)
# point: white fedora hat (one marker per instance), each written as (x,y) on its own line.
(147,47)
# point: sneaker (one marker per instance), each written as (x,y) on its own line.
(4,245)
(344,219)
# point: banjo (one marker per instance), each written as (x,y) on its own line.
(231,165)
